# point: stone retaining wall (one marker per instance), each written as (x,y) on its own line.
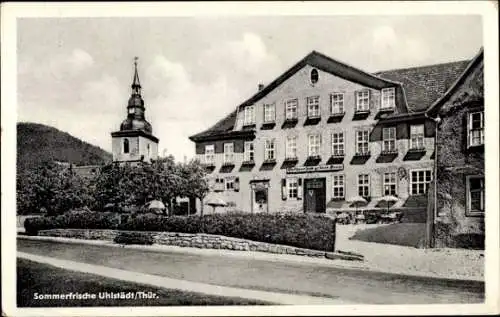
(204,241)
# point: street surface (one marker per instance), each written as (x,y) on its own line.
(297,278)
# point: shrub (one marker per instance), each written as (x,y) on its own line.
(300,230)
(133,238)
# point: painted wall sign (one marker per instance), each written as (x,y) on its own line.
(313,169)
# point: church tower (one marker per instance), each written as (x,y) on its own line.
(135,141)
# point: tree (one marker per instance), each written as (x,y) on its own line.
(196,182)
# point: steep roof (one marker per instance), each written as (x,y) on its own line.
(422,85)
(425,84)
(458,81)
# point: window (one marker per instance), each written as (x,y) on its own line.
(209,154)
(362,139)
(219,184)
(249,152)
(475,195)
(475,128)
(291,109)
(390,183)
(126,146)
(229,183)
(417,136)
(419,181)
(314,76)
(292,187)
(313,107)
(388,98)
(363,100)
(364,185)
(269,150)
(249,115)
(228,152)
(314,144)
(291,147)
(389,139)
(269,113)
(338,186)
(338,144)
(149,149)
(337,103)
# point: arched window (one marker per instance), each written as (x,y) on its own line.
(149,149)
(125,146)
(314,76)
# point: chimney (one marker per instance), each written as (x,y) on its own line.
(261,86)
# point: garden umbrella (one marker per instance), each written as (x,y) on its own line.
(215,201)
(388,199)
(156,205)
(356,200)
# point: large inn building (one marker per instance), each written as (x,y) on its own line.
(324,133)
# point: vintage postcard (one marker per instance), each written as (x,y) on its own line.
(236,158)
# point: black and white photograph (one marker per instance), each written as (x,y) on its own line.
(259,158)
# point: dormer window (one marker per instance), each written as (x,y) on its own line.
(314,76)
(388,98)
(131,110)
(249,115)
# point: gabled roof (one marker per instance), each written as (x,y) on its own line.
(425,84)
(456,84)
(422,85)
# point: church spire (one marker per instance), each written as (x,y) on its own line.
(136,84)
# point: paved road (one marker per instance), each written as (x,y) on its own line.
(352,285)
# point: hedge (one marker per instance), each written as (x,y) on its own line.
(308,231)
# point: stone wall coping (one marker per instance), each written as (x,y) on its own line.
(201,240)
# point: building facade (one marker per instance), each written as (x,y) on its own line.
(135,142)
(460,207)
(323,134)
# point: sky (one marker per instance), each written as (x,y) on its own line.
(75,73)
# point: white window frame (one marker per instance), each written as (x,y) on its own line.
(480,130)
(388,98)
(418,182)
(313,109)
(292,109)
(363,100)
(389,139)
(337,103)
(364,182)
(249,115)
(228,153)
(469,211)
(390,180)
(364,141)
(338,144)
(417,136)
(292,188)
(269,113)
(269,150)
(338,182)
(210,154)
(229,183)
(291,147)
(249,151)
(314,144)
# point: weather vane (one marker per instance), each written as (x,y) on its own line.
(135,60)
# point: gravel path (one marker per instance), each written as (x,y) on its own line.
(444,262)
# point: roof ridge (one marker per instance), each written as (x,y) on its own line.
(422,66)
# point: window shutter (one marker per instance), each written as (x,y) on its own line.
(356,100)
(466,137)
(371,101)
(283,189)
(237,184)
(299,189)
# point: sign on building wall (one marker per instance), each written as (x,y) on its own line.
(315,169)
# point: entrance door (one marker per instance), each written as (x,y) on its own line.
(259,203)
(315,195)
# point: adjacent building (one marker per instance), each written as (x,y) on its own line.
(325,132)
(460,183)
